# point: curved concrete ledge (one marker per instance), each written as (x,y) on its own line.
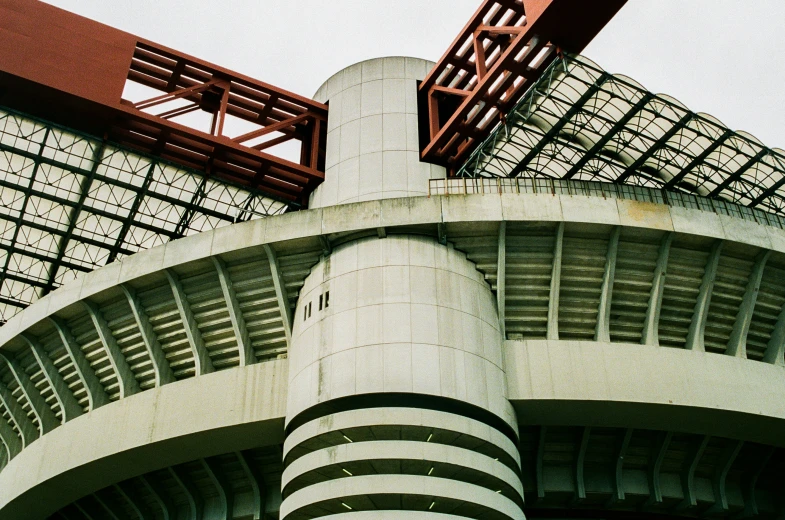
(222,412)
(397,212)
(401,450)
(412,485)
(635,386)
(401,416)
(746,391)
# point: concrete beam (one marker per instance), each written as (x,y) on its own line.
(618,470)
(46,417)
(553,300)
(69,406)
(24,425)
(244,346)
(108,506)
(136,507)
(724,464)
(501,278)
(737,345)
(161,367)
(225,492)
(125,376)
(280,293)
(202,362)
(750,482)
(96,394)
(688,474)
(580,464)
(11,441)
(195,502)
(775,350)
(696,334)
(603,332)
(83,511)
(655,487)
(651,326)
(257,485)
(168,511)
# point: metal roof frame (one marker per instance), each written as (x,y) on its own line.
(503,49)
(580,122)
(70,203)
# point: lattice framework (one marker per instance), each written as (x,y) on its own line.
(580,122)
(70,203)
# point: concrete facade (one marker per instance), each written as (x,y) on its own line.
(472,356)
(402,321)
(373,149)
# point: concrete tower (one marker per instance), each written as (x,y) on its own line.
(396,355)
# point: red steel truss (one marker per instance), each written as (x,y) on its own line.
(497,56)
(72,70)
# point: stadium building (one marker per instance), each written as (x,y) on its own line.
(505,285)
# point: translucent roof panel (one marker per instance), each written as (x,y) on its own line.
(580,122)
(70,203)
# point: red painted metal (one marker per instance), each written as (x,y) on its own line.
(72,70)
(497,56)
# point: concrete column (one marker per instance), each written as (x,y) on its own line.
(397,340)
(372,137)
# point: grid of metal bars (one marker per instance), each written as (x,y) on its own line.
(580,122)
(70,203)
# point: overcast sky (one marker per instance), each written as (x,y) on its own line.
(724,57)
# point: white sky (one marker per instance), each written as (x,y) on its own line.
(723,57)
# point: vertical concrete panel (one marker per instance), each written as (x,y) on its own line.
(373,133)
(406,314)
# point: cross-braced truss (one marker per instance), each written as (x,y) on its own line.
(499,54)
(580,122)
(185,85)
(160,101)
(70,203)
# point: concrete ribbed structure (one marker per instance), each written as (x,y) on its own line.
(399,325)
(397,355)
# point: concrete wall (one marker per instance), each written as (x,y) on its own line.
(405,314)
(549,383)
(373,214)
(638,386)
(373,149)
(227,411)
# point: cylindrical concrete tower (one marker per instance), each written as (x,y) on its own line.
(397,392)
(396,382)
(373,149)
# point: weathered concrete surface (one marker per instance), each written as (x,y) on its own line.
(396,212)
(373,148)
(405,314)
(636,386)
(200,417)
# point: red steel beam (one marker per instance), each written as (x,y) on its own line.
(72,71)
(497,56)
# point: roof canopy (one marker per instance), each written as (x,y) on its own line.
(580,122)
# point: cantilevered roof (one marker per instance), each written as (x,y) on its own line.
(70,203)
(580,122)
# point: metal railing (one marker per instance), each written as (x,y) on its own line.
(498,186)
